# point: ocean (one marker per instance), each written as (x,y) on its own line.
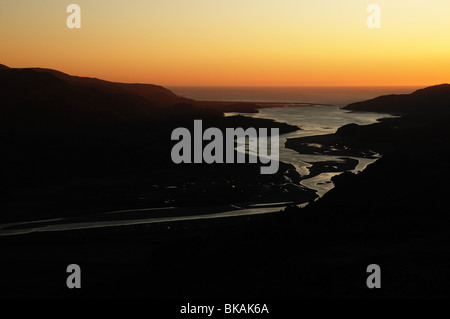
(332,95)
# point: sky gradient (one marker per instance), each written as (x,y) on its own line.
(233,42)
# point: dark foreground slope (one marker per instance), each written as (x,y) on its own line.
(394,214)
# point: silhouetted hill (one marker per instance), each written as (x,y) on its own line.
(40,100)
(431,99)
(155,94)
(35,99)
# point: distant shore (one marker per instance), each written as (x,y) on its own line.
(250,107)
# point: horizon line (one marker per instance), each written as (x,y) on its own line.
(232,86)
(296,86)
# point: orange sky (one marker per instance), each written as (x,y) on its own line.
(233,42)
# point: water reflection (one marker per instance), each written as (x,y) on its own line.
(316,120)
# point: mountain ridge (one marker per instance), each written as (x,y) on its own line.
(151,92)
(44,99)
(434,98)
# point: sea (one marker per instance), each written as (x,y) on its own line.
(331,95)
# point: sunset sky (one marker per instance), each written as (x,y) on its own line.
(233,42)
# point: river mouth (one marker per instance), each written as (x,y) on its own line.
(314,121)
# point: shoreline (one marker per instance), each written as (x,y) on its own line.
(130,219)
(249,106)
